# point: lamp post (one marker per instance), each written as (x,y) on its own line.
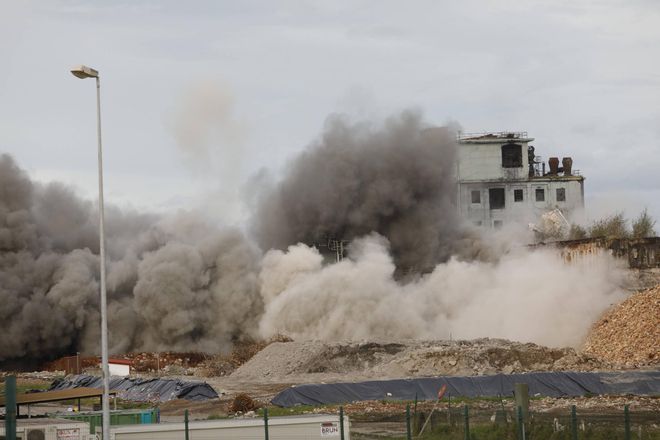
(83,72)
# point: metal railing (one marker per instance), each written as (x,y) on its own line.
(496,134)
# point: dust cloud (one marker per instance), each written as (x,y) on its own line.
(177,282)
(206,127)
(527,296)
(395,179)
(210,135)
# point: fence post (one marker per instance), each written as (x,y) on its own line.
(626,420)
(408,430)
(466,416)
(185,424)
(10,407)
(449,410)
(522,398)
(266,423)
(415,416)
(521,427)
(574,427)
(341,422)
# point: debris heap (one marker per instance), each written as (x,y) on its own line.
(629,333)
(316,361)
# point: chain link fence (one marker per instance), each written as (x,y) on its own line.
(464,423)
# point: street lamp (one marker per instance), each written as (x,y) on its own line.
(87,72)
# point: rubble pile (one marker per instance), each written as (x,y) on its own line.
(225,364)
(178,363)
(314,361)
(84,362)
(629,333)
(165,362)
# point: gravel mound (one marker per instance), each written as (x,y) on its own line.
(322,361)
(629,333)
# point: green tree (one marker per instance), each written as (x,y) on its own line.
(643,225)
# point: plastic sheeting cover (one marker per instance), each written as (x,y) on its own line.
(551,384)
(142,390)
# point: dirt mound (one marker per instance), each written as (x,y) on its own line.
(225,364)
(629,333)
(320,361)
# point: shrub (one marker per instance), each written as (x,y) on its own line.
(243,403)
(614,226)
(643,225)
(577,232)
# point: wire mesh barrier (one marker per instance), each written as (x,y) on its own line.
(465,423)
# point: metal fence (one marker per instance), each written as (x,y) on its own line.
(465,423)
(70,364)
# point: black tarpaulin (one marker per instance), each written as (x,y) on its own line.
(142,390)
(550,384)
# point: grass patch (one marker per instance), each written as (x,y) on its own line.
(24,386)
(217,416)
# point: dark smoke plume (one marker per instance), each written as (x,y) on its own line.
(176,283)
(396,180)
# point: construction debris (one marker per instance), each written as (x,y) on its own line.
(170,363)
(225,364)
(315,361)
(629,333)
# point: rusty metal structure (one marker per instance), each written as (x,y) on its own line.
(70,364)
(640,253)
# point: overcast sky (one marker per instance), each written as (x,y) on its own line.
(198,96)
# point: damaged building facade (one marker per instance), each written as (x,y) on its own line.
(502,180)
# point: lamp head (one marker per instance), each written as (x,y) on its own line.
(84,72)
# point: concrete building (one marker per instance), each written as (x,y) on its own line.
(502,180)
(119,367)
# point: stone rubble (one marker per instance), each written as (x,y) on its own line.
(315,361)
(629,333)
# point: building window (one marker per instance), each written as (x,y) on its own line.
(517,195)
(497,224)
(540,195)
(512,156)
(496,198)
(476,196)
(561,194)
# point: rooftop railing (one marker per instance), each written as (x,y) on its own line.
(493,134)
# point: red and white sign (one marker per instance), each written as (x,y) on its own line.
(68,434)
(329,429)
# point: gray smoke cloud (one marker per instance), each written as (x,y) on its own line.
(180,283)
(396,179)
(174,283)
